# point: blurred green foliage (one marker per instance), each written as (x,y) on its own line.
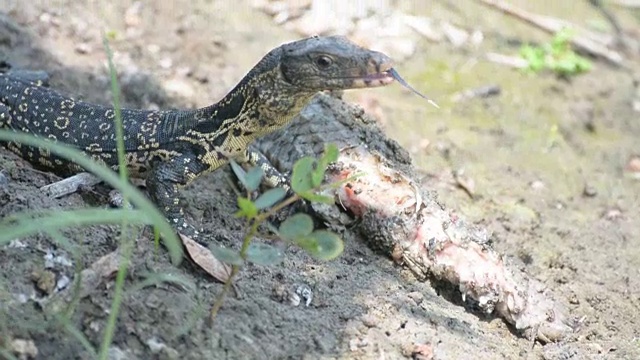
(557,56)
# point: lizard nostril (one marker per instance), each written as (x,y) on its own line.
(380,62)
(373,65)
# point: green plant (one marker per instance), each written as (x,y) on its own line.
(306,183)
(126,242)
(51,222)
(557,56)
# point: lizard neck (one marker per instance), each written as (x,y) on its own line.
(261,103)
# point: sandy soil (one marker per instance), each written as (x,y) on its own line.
(547,159)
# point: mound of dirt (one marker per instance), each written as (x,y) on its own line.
(364,305)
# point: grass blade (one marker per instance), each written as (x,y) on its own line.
(55,220)
(137,198)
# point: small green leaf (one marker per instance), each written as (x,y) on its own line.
(270,198)
(322,245)
(313,197)
(247,208)
(534,56)
(264,254)
(253,178)
(330,155)
(584,64)
(297,226)
(301,175)
(226,255)
(557,56)
(317,176)
(239,171)
(111,34)
(562,37)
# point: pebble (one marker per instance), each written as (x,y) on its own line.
(416,296)
(537,185)
(355,344)
(589,191)
(185,71)
(115,353)
(573,299)
(155,346)
(595,347)
(153,48)
(24,348)
(62,283)
(45,18)
(633,167)
(21,298)
(613,214)
(305,293)
(370,321)
(45,280)
(283,294)
(50,260)
(132,16)
(294,299)
(166,63)
(17,244)
(83,48)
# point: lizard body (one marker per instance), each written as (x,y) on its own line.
(171,148)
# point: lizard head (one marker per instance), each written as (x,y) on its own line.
(332,63)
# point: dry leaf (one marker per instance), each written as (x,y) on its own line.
(205,259)
(24,348)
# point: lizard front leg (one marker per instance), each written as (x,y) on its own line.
(163,183)
(272,176)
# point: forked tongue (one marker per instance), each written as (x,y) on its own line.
(402,82)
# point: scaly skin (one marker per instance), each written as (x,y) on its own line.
(170,149)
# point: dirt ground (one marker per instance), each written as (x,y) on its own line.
(547,159)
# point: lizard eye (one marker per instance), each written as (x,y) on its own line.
(323,61)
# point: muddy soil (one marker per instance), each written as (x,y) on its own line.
(547,159)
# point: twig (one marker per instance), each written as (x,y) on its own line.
(253,230)
(478,92)
(615,24)
(593,44)
(70,184)
(511,61)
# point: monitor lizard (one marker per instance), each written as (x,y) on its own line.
(171,148)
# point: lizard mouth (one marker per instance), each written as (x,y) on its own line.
(374,80)
(386,77)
